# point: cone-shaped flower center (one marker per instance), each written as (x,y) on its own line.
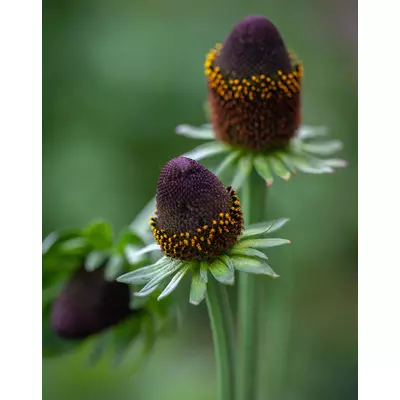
(254,87)
(197,217)
(88,304)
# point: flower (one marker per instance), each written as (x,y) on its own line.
(199,228)
(254,89)
(82,300)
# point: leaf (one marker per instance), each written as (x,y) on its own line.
(242,251)
(228,163)
(279,168)
(100,344)
(195,133)
(335,163)
(54,238)
(309,132)
(198,288)
(274,225)
(221,272)
(94,260)
(323,149)
(263,169)
(258,229)
(73,247)
(228,262)
(264,243)
(243,170)
(127,237)
(134,254)
(286,159)
(153,284)
(140,224)
(123,335)
(204,270)
(254,266)
(173,283)
(114,267)
(99,235)
(144,274)
(207,150)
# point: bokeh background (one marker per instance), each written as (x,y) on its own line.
(118,76)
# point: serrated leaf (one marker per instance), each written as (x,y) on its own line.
(309,132)
(144,274)
(254,266)
(134,254)
(227,164)
(259,229)
(243,170)
(324,149)
(204,270)
(263,169)
(207,150)
(221,272)
(99,235)
(241,250)
(173,283)
(95,259)
(157,278)
(198,288)
(279,168)
(114,267)
(195,133)
(264,243)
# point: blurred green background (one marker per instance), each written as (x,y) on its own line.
(118,76)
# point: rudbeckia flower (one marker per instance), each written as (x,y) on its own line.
(199,228)
(254,98)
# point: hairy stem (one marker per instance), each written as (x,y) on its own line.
(223,336)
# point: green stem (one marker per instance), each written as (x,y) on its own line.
(222,330)
(248,302)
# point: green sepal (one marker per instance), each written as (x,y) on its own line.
(203,132)
(204,270)
(226,168)
(261,166)
(253,265)
(264,243)
(310,165)
(198,287)
(279,168)
(174,282)
(243,171)
(221,272)
(207,150)
(114,267)
(309,132)
(324,148)
(134,254)
(259,229)
(240,250)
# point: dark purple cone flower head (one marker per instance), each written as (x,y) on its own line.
(197,218)
(254,87)
(89,304)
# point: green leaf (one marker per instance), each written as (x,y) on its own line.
(203,132)
(99,235)
(243,170)
(114,267)
(335,163)
(323,149)
(173,283)
(259,229)
(161,275)
(55,238)
(254,266)
(310,132)
(95,259)
(287,161)
(123,335)
(273,225)
(204,270)
(227,164)
(262,168)
(207,150)
(73,247)
(240,250)
(144,274)
(127,237)
(279,168)
(100,344)
(221,272)
(198,287)
(134,254)
(264,243)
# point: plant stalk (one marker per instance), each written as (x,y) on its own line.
(248,305)
(223,337)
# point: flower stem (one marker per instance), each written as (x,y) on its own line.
(223,336)
(247,320)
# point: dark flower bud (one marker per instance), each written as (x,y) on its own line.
(254,87)
(197,218)
(89,304)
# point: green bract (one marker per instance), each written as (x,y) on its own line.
(302,154)
(164,275)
